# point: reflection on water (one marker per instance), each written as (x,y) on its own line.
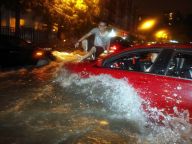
(66,57)
(50,105)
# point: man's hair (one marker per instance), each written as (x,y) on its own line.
(103,21)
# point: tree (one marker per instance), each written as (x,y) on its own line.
(72,15)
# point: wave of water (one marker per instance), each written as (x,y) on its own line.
(113,101)
(121,101)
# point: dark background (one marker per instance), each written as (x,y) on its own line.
(153,7)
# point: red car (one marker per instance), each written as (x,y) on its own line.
(161,75)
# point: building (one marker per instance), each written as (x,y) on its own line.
(120,13)
(32,28)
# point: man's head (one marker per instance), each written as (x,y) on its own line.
(153,57)
(102,26)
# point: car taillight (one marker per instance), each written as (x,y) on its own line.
(114,47)
(38,54)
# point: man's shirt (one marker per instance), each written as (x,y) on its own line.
(100,39)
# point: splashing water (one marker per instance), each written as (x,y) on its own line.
(114,95)
(121,101)
(52,105)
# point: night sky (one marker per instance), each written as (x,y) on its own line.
(151,7)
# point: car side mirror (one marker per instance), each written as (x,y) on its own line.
(99,62)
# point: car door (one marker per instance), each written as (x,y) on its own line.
(179,77)
(160,91)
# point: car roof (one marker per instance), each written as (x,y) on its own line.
(164,45)
(160,46)
(187,47)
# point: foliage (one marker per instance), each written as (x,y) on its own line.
(73,14)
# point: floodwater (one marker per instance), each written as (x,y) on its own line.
(49,105)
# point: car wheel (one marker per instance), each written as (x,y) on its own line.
(42,62)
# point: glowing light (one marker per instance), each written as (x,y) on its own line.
(67,57)
(124,37)
(112,33)
(113,47)
(80,5)
(163,34)
(147,24)
(173,41)
(22,22)
(39,54)
(12,22)
(104,122)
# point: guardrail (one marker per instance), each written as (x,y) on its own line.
(30,34)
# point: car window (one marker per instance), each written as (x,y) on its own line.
(135,61)
(181,66)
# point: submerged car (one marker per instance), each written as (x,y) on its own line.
(160,73)
(16,51)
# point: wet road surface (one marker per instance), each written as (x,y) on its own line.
(49,105)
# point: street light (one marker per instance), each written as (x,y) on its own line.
(161,34)
(148,24)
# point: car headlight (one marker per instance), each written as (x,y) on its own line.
(38,54)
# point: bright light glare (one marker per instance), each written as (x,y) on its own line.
(39,53)
(80,5)
(174,41)
(112,33)
(104,122)
(113,47)
(67,57)
(147,24)
(161,34)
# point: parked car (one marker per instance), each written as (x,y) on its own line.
(16,51)
(161,74)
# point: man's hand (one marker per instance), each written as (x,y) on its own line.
(80,58)
(106,52)
(77,45)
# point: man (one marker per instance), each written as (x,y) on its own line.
(101,41)
(152,57)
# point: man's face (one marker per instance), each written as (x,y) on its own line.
(153,57)
(102,26)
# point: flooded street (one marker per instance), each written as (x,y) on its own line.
(49,105)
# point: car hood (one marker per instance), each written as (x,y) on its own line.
(79,66)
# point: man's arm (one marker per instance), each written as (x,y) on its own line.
(108,45)
(83,38)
